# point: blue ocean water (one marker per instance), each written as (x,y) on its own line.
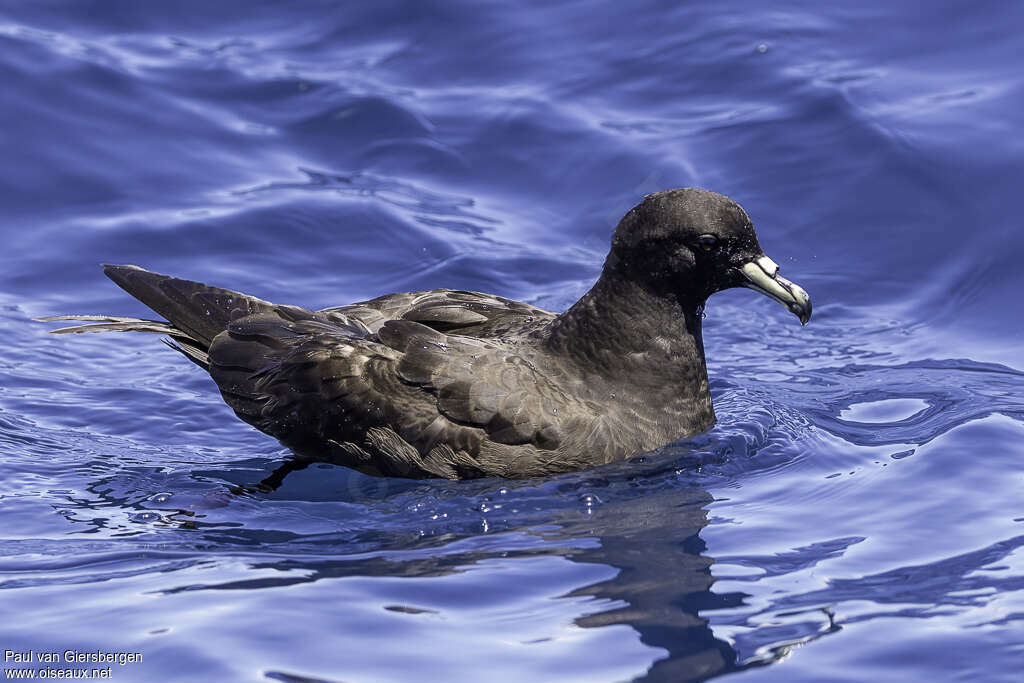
(855,515)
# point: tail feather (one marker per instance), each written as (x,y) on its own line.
(182,343)
(109,323)
(196,312)
(199,310)
(197,355)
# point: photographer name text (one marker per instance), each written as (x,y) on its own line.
(71,657)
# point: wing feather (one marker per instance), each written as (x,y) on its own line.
(404,388)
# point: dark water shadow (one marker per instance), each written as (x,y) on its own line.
(648,530)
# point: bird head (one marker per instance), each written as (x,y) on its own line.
(690,243)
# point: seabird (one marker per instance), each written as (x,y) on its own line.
(458,384)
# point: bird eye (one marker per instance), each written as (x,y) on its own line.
(707,242)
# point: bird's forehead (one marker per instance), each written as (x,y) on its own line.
(700,209)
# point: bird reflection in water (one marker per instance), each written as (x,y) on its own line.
(663,581)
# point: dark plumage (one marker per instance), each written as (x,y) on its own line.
(461,384)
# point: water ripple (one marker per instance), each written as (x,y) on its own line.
(857,506)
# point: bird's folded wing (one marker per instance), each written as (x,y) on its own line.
(481,383)
(293,372)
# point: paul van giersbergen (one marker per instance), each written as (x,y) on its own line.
(72,656)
